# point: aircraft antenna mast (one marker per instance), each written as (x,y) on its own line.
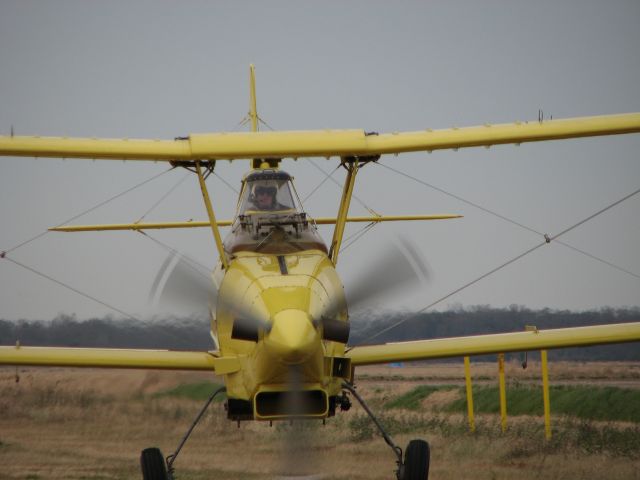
(255,121)
(253,109)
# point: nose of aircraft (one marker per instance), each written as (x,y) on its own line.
(292,338)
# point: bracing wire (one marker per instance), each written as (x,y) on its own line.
(68,287)
(63,284)
(598,259)
(164,197)
(510,220)
(463,200)
(547,240)
(265,124)
(353,195)
(225,182)
(241,123)
(358,235)
(75,217)
(327,176)
(192,263)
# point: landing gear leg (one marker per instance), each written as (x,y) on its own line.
(151,461)
(416,460)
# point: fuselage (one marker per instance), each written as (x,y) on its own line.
(280,276)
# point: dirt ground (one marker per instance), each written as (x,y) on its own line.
(92,424)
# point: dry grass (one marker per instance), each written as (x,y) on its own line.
(92,424)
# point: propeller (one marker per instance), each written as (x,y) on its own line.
(247,322)
(399,267)
(184,285)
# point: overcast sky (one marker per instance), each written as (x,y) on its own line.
(163,69)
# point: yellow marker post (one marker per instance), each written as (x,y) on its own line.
(467,377)
(503,393)
(545,395)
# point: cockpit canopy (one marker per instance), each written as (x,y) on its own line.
(267,191)
(270,218)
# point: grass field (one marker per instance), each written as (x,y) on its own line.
(92,424)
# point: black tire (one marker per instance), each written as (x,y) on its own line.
(416,460)
(152,464)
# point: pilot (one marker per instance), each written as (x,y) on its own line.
(264,197)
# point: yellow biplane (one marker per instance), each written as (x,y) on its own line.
(279,315)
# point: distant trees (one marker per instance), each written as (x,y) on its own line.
(63,331)
(192,333)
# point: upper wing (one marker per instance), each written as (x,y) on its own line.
(495,343)
(114,358)
(322,143)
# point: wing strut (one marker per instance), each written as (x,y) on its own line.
(212,217)
(341,220)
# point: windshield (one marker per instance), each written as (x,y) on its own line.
(266,192)
(270,218)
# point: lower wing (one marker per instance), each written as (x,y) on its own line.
(494,343)
(359,355)
(108,358)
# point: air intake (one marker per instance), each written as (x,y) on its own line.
(272,405)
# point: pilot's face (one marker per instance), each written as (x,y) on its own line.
(264,198)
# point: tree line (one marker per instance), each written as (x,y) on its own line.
(192,333)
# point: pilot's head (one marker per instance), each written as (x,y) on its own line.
(265,195)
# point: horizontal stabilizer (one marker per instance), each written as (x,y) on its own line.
(226,223)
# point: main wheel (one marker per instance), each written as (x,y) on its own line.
(152,464)
(416,460)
